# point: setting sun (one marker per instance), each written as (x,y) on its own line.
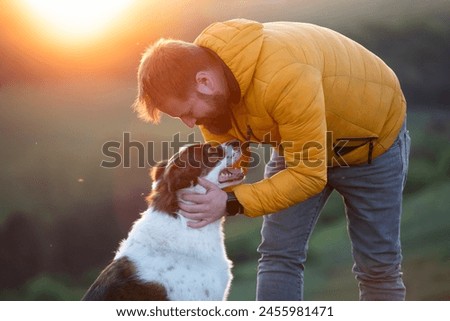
(75,19)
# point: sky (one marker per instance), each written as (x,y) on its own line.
(48,39)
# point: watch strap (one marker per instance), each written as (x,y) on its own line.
(233,205)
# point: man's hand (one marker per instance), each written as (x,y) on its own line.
(206,208)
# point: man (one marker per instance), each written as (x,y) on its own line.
(301,88)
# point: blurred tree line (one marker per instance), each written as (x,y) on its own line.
(57,259)
(417,50)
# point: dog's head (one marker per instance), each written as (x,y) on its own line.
(214,163)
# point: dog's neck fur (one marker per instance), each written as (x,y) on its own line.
(158,242)
(156,232)
(157,226)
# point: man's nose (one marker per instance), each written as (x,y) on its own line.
(189,121)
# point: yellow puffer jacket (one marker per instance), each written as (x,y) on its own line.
(304,86)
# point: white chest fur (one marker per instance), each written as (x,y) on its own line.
(190,263)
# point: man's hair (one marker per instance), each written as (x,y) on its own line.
(168,69)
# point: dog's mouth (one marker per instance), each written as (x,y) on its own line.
(231,174)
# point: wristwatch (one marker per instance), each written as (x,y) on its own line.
(233,205)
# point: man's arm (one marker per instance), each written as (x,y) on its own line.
(295,100)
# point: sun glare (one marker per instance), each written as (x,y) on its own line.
(76,19)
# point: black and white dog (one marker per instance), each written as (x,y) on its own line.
(162,258)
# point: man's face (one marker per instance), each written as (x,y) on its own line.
(211,111)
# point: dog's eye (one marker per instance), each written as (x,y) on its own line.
(213,155)
(216,151)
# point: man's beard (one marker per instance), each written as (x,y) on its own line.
(219,121)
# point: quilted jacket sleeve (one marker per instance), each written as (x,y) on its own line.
(294,99)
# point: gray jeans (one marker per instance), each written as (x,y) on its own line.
(372,195)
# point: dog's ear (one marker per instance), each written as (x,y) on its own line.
(158,170)
(180,177)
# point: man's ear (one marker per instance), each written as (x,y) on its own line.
(206,82)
